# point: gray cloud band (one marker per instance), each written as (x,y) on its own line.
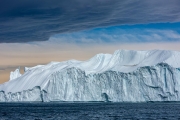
(26,21)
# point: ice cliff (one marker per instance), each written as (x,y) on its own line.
(125,76)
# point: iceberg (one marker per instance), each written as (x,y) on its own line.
(125,76)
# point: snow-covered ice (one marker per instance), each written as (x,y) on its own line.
(15,74)
(125,76)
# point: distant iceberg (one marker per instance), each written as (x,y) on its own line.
(125,76)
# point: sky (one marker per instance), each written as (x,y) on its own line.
(41,31)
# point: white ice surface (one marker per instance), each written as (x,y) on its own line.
(15,74)
(69,79)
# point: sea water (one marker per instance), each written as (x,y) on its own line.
(89,111)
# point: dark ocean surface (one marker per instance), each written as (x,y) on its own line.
(89,111)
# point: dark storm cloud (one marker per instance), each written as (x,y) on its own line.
(27,20)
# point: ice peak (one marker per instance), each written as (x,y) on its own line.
(15,74)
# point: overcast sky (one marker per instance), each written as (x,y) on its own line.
(27,20)
(41,31)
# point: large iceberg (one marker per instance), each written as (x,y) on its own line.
(125,76)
